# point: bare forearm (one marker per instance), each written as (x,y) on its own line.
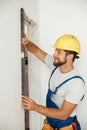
(51,112)
(34,49)
(63,113)
(56,113)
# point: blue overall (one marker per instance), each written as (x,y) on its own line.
(57,123)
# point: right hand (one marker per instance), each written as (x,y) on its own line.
(29,104)
(25,40)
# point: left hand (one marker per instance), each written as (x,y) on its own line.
(28,103)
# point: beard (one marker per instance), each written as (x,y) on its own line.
(58,62)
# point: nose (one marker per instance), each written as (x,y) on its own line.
(55,54)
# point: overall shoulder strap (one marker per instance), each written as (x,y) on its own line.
(51,75)
(53,71)
(69,80)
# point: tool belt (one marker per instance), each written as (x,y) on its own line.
(46,126)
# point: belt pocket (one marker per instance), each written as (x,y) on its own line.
(46,126)
(70,127)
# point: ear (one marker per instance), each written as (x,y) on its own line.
(70,57)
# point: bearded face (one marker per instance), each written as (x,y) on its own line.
(60,57)
(58,62)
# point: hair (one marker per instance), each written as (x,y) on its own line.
(75,54)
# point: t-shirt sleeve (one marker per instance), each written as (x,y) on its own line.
(75,91)
(49,62)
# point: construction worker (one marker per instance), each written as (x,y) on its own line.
(66,86)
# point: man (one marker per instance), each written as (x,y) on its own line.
(66,86)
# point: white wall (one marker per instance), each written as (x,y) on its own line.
(11,112)
(53,18)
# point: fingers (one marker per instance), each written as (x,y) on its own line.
(24,40)
(25,98)
(27,103)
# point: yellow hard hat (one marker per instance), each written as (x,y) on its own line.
(68,42)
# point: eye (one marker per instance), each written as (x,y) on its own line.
(59,52)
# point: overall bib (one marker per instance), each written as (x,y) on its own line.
(57,123)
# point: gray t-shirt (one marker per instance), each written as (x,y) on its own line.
(72,91)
